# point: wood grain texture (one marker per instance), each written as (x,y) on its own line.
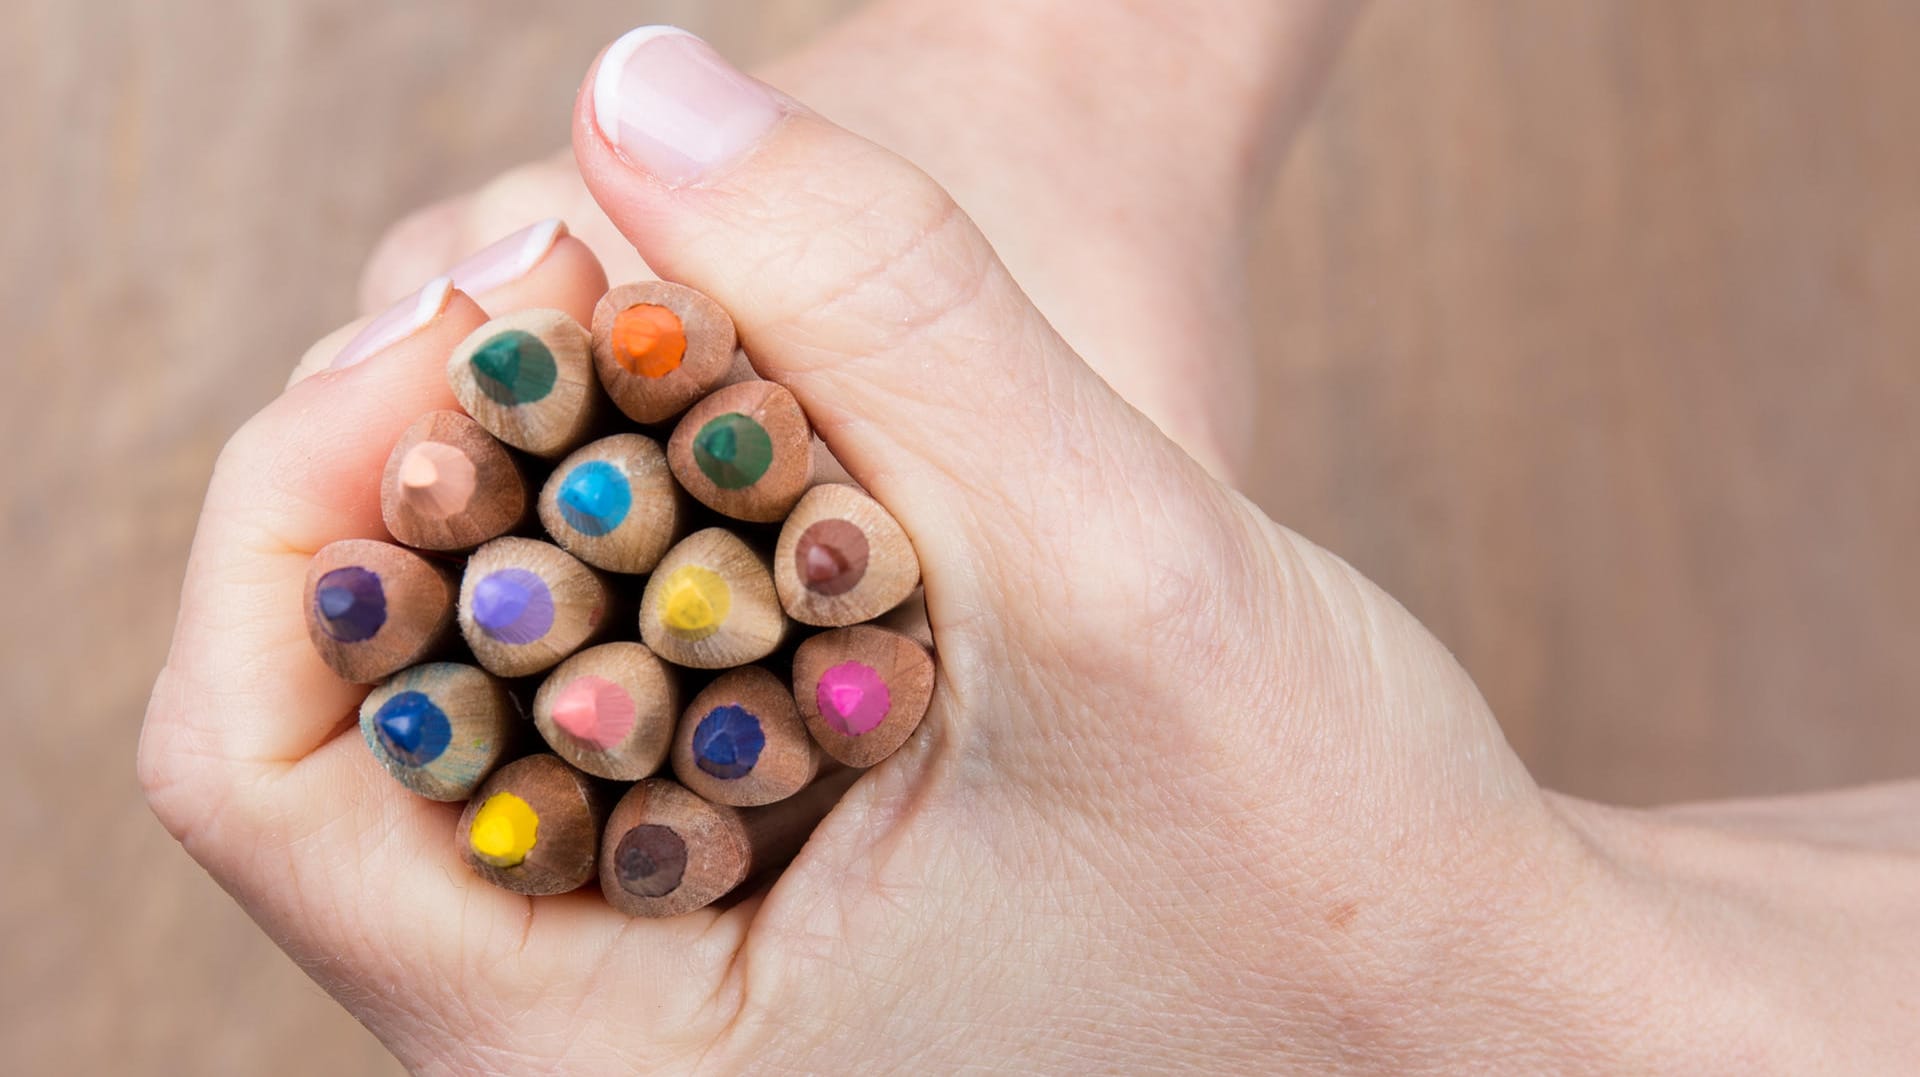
(400,609)
(765,446)
(449,485)
(1602,363)
(889,675)
(570,809)
(1587,330)
(667,851)
(582,705)
(842,558)
(638,385)
(479,726)
(741,741)
(567,605)
(710,603)
(652,515)
(549,397)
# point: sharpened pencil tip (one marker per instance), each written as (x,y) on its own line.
(505,830)
(437,478)
(418,471)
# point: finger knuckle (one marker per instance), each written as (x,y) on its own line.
(176,789)
(891,262)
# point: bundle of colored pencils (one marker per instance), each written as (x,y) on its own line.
(629,589)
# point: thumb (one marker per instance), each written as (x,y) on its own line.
(855,281)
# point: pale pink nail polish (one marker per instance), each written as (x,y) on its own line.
(506,260)
(667,102)
(397,323)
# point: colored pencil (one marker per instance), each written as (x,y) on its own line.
(450,486)
(374,608)
(745,451)
(613,504)
(527,604)
(610,710)
(741,741)
(863,690)
(534,827)
(658,347)
(528,378)
(710,603)
(440,728)
(842,558)
(668,851)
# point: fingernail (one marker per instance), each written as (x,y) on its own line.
(667,102)
(397,323)
(505,261)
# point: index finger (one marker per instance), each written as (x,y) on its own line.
(303,472)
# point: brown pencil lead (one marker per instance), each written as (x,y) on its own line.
(667,851)
(842,558)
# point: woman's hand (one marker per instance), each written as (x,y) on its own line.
(1193,793)
(1113,153)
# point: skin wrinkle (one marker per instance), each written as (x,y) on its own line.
(910,325)
(774,1010)
(774,937)
(928,484)
(1703,905)
(910,218)
(1283,939)
(169,776)
(845,390)
(254,601)
(472,892)
(898,272)
(288,472)
(367,961)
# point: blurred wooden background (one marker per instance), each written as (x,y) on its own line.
(1592,332)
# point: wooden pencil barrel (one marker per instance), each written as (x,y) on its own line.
(527,604)
(862,690)
(528,378)
(534,827)
(711,604)
(374,608)
(613,504)
(449,485)
(842,558)
(440,728)
(660,346)
(745,451)
(742,742)
(668,851)
(610,710)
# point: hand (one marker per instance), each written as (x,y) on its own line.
(1126,223)
(1193,794)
